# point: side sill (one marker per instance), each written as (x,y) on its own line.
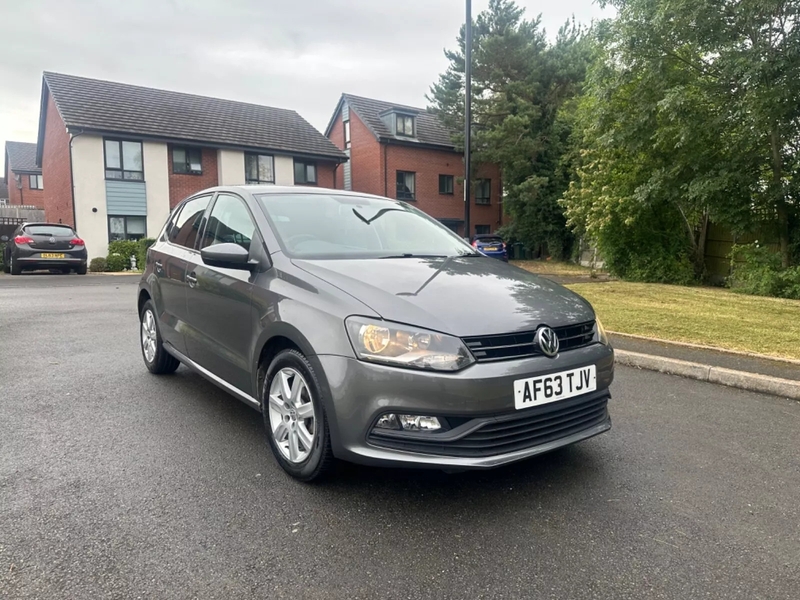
(234,391)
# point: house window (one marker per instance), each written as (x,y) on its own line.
(259,168)
(187,160)
(124,160)
(482,230)
(483,191)
(446,184)
(305,173)
(126,228)
(347,134)
(405,125)
(35,182)
(405,185)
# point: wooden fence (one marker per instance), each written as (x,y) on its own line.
(719,243)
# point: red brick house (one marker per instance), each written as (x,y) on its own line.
(406,153)
(118,157)
(23,177)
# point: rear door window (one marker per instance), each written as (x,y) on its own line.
(185,226)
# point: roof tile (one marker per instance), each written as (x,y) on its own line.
(22,157)
(430,129)
(129,109)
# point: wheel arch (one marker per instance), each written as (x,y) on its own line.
(282,336)
(144,296)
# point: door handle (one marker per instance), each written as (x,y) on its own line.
(191,279)
(159,266)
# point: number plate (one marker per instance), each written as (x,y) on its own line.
(491,249)
(52,255)
(556,386)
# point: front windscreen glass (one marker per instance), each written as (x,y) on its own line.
(339,226)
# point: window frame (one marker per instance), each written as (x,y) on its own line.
(451,180)
(125,222)
(306,164)
(258,181)
(347,140)
(405,133)
(483,200)
(122,170)
(187,150)
(413,197)
(39,182)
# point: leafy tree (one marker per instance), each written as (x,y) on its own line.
(520,84)
(690,113)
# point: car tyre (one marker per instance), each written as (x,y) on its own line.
(294,417)
(157,360)
(81,270)
(14,268)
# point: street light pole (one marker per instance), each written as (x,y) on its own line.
(467,119)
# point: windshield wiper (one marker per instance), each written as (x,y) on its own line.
(378,215)
(409,255)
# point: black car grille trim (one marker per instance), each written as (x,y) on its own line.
(509,346)
(508,433)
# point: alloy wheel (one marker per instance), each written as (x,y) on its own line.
(149,336)
(291,415)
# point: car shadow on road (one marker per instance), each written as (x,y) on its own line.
(545,479)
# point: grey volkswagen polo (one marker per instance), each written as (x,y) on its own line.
(364,330)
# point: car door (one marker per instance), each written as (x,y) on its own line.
(170,261)
(220,322)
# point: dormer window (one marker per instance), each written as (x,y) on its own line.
(405,125)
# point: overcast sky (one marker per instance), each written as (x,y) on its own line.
(299,54)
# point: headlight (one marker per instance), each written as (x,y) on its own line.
(601,332)
(405,346)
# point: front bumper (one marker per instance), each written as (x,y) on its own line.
(479,397)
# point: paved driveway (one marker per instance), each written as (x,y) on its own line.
(118,484)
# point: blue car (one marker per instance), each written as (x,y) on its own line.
(490,245)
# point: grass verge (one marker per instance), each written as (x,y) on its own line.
(550,267)
(699,315)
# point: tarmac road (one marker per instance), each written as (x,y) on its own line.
(115,483)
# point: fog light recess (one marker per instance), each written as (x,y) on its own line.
(408,422)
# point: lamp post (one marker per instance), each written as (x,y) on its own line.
(467,119)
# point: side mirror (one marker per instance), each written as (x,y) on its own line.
(3,238)
(227,256)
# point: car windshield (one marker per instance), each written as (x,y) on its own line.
(51,230)
(337,226)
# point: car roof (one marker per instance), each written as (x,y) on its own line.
(48,224)
(293,190)
(479,236)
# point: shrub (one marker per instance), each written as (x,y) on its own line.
(116,262)
(757,270)
(126,248)
(141,251)
(98,265)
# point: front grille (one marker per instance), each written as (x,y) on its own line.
(488,348)
(508,433)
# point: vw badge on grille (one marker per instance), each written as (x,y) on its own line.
(52,240)
(547,340)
